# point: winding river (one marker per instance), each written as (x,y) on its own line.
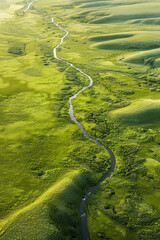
(84,227)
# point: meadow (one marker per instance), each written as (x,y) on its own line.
(46,162)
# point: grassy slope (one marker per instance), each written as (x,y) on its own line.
(23,223)
(39,140)
(144,111)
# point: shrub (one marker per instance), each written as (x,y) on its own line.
(16,51)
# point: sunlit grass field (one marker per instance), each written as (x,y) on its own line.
(46,162)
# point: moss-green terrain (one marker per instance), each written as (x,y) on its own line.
(46,162)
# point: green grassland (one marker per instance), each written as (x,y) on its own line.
(141,112)
(46,162)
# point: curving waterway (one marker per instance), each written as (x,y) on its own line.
(84,227)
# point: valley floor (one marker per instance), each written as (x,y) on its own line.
(46,163)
